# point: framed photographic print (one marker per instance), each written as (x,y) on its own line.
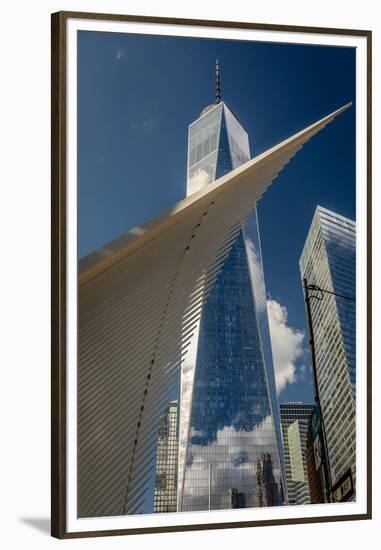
(211,302)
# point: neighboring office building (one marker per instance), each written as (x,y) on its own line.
(230,443)
(165,496)
(328,260)
(294,421)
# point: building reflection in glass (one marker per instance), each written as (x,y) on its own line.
(165,495)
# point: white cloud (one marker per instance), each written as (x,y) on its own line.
(302,372)
(244,449)
(120,53)
(148,125)
(287,345)
(197,182)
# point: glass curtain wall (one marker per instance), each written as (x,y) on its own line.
(230,449)
(329,261)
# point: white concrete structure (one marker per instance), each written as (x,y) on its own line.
(139,300)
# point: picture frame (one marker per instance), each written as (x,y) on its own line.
(64,277)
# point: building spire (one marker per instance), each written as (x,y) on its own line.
(218,83)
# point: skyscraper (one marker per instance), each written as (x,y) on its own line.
(328,261)
(230,449)
(294,420)
(165,496)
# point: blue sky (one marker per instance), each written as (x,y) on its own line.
(138,94)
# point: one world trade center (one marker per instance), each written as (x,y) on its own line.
(230,448)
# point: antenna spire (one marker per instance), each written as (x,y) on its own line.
(218,83)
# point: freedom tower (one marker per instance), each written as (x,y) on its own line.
(230,449)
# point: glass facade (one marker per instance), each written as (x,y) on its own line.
(165,495)
(230,449)
(329,261)
(294,422)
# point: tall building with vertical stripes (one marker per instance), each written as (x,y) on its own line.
(294,421)
(328,261)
